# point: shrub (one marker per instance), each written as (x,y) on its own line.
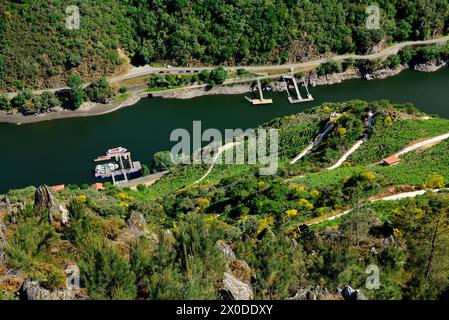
(100,91)
(107,275)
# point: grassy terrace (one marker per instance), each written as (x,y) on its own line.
(387,140)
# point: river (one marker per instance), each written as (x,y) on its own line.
(62,151)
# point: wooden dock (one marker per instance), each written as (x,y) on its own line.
(261,100)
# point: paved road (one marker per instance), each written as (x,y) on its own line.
(147,70)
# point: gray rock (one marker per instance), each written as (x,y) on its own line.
(2,243)
(5,204)
(388,241)
(227,251)
(32,290)
(137,223)
(385,73)
(46,202)
(237,289)
(431,66)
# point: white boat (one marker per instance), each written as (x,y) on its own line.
(102,169)
(115,151)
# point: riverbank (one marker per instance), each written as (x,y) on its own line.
(312,79)
(88,109)
(136,94)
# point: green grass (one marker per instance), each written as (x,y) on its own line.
(386,141)
(121,98)
(413,169)
(164,88)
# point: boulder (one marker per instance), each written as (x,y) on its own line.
(227,251)
(388,241)
(32,290)
(236,289)
(137,223)
(46,202)
(350,294)
(5,204)
(431,66)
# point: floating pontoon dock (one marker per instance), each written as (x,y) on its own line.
(125,163)
(290,79)
(262,100)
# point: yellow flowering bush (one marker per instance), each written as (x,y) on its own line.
(124,196)
(81,198)
(124,205)
(202,203)
(265,222)
(342,131)
(305,204)
(314,193)
(368,175)
(291,213)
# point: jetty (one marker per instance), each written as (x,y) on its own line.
(261,100)
(118,164)
(291,80)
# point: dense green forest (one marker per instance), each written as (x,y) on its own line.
(238,234)
(36,50)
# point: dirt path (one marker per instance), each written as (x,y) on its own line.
(398,196)
(422,144)
(316,142)
(216,158)
(356,146)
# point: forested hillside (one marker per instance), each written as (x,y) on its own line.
(241,235)
(36,50)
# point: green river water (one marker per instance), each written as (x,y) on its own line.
(62,151)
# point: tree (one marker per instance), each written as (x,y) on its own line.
(217,76)
(161,161)
(358,223)
(76,94)
(100,91)
(423,224)
(106,274)
(158,275)
(4,102)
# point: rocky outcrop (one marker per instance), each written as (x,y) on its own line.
(234,289)
(137,223)
(237,279)
(384,73)
(5,204)
(227,251)
(2,242)
(315,80)
(318,293)
(44,201)
(32,290)
(430,66)
(350,294)
(203,91)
